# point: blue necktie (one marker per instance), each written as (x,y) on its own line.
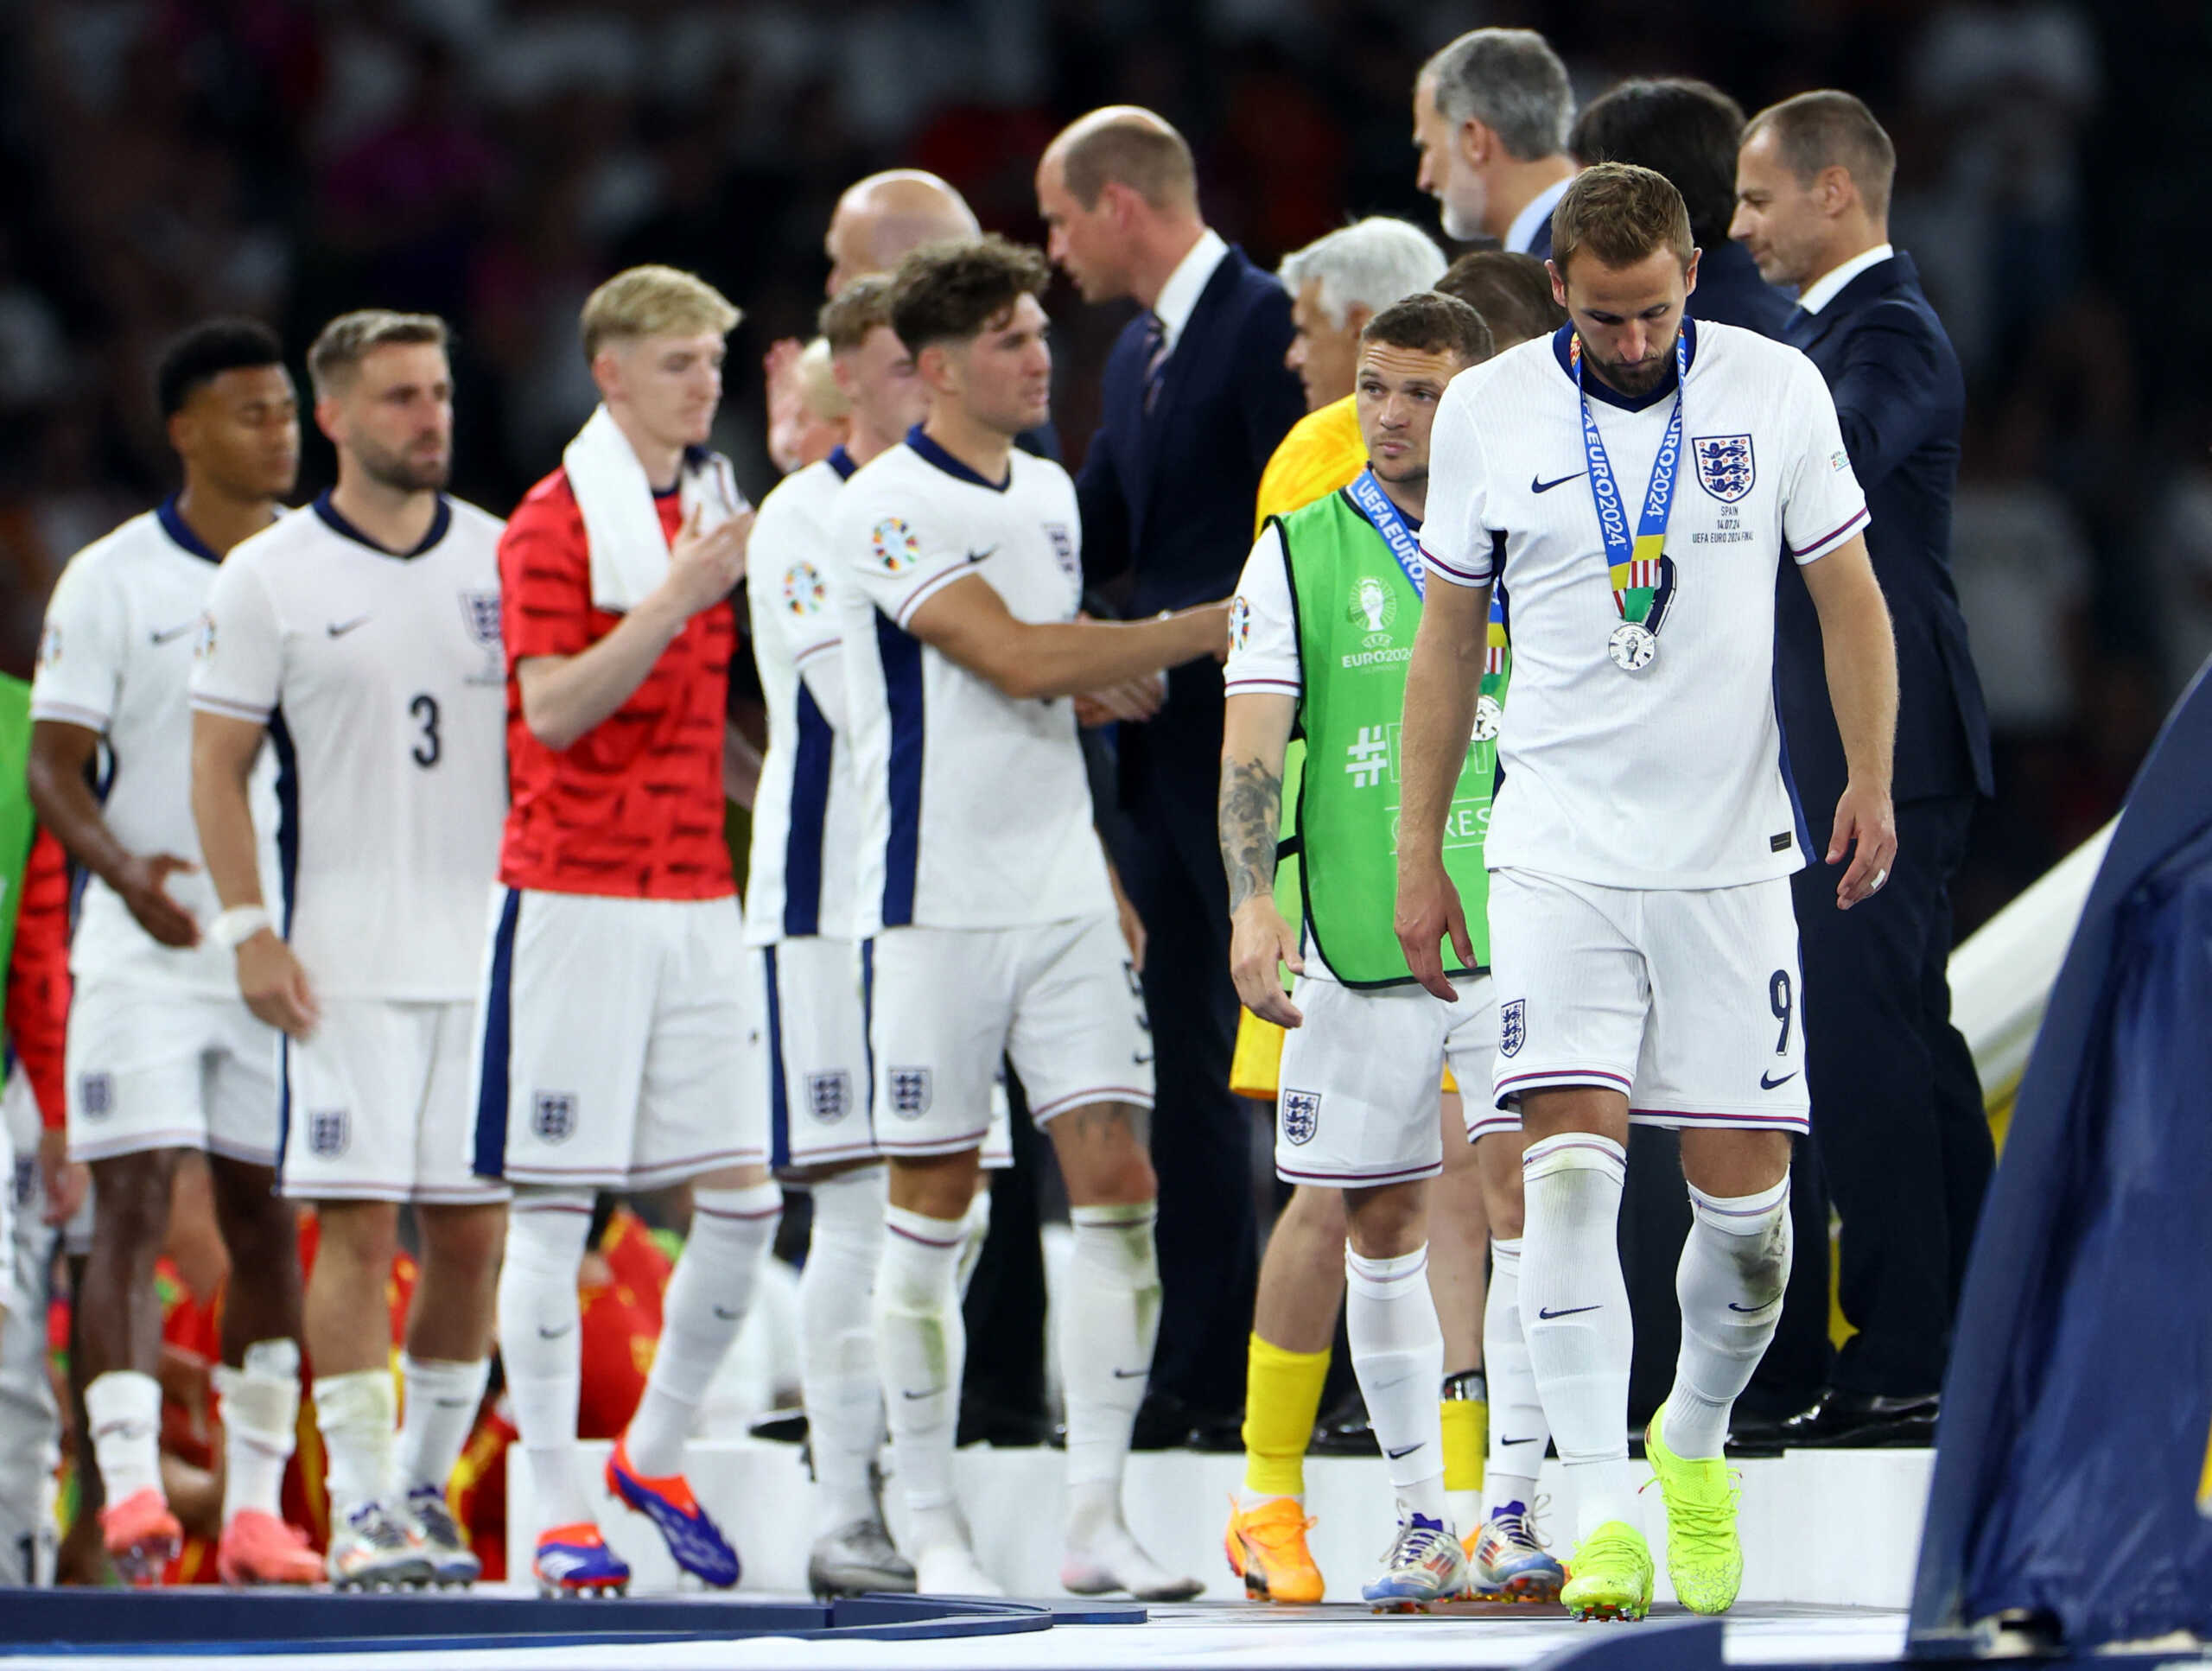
(1155,358)
(1797,327)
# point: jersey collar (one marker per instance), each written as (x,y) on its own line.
(338,525)
(842,462)
(1563,342)
(180,532)
(930,452)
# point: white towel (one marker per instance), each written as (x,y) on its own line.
(629,552)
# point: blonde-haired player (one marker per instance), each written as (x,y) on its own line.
(613,1043)
(354,637)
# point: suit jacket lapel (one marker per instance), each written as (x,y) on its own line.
(1869,287)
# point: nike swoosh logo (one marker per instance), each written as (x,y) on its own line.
(1531,1439)
(978,556)
(727,1317)
(931,1393)
(1536,486)
(455,1403)
(340,629)
(1733,1306)
(1131,1374)
(175,633)
(1768,1084)
(1403,1451)
(1572,1310)
(544,1333)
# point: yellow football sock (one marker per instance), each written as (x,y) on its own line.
(1282,1397)
(1466,1439)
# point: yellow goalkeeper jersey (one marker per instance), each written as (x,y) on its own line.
(1322,453)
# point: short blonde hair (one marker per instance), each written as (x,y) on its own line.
(653,300)
(351,338)
(818,384)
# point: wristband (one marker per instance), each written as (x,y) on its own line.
(234,927)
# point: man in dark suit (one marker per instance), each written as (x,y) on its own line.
(1490,115)
(1897,1115)
(1689,131)
(1195,399)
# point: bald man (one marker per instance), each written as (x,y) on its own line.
(1196,396)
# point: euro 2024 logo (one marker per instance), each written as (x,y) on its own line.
(1374,604)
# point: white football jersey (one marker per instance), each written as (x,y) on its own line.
(1674,775)
(115,659)
(799,880)
(384,687)
(975,810)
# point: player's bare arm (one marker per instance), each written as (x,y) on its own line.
(61,788)
(564,696)
(270,980)
(969,622)
(1125,910)
(1255,735)
(1442,681)
(1861,652)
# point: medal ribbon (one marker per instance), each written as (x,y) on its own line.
(1375,505)
(1641,573)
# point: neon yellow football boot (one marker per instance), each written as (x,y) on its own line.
(1705,1557)
(1609,1577)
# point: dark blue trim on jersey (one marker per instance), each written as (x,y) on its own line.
(901,655)
(1598,389)
(283,1102)
(930,452)
(288,816)
(1789,783)
(338,525)
(808,817)
(492,1069)
(180,532)
(779,1100)
(842,462)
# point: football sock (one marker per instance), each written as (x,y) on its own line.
(439,1414)
(124,1410)
(1735,1265)
(837,1376)
(1107,1325)
(977,1228)
(1518,1431)
(1574,1312)
(356,1412)
(922,1347)
(731,1233)
(1397,1353)
(261,1417)
(539,1319)
(1464,1410)
(1282,1401)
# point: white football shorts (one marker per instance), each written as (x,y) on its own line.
(1687,1002)
(1356,1102)
(377,1106)
(612,1052)
(1061,1000)
(154,1070)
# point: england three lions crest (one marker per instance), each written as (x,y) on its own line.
(1725,468)
(1301,1114)
(480,613)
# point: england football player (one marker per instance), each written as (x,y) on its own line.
(982,894)
(356,640)
(163,1056)
(811,1066)
(616,572)
(1322,623)
(1641,940)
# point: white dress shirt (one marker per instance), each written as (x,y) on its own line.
(1178,297)
(1521,236)
(1825,288)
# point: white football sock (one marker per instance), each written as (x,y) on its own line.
(539,1319)
(1109,1317)
(731,1233)
(1735,1265)
(439,1413)
(356,1412)
(124,1410)
(1397,1353)
(836,1332)
(977,1225)
(1574,1316)
(922,1348)
(261,1417)
(1518,1431)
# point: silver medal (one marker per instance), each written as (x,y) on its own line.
(1632,646)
